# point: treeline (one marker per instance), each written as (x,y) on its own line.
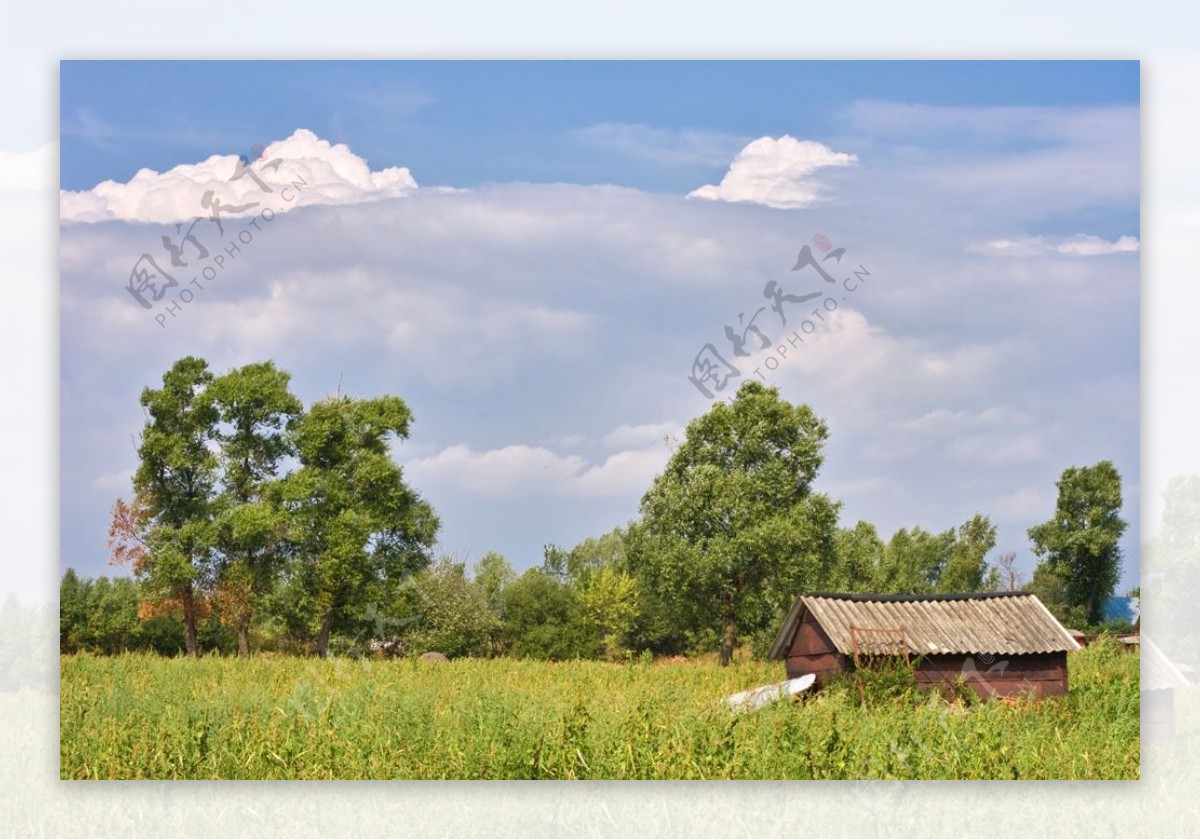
(591,601)
(232,552)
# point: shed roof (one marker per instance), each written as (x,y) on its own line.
(1009,623)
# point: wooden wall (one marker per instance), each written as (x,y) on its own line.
(1043,674)
(813,653)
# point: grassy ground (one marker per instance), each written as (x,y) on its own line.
(150,718)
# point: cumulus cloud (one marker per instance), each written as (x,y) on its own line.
(326,174)
(1079,245)
(776,173)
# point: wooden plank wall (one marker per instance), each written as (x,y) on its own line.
(812,652)
(1044,674)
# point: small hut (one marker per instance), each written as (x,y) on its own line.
(1000,643)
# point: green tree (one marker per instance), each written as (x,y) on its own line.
(168,529)
(1081,542)
(541,618)
(357,529)
(492,573)
(255,409)
(610,601)
(731,530)
(860,559)
(455,616)
(112,615)
(966,569)
(914,560)
(72,612)
(1051,589)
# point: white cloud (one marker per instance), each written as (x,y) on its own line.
(1079,245)
(776,173)
(322,173)
(529,470)
(626,436)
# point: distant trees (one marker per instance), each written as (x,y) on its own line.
(915,561)
(1079,545)
(257,523)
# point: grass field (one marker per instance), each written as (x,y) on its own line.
(142,717)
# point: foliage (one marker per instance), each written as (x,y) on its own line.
(1080,543)
(731,530)
(357,529)
(455,617)
(1051,589)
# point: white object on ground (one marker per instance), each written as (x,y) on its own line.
(756,698)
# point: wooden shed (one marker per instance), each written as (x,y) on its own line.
(1000,643)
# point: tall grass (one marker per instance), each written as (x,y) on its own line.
(142,717)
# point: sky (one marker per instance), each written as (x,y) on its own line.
(534,254)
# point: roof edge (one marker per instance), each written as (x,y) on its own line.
(955,596)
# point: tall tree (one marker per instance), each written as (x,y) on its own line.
(731,529)
(255,409)
(358,530)
(1081,542)
(167,531)
(966,570)
(914,560)
(860,559)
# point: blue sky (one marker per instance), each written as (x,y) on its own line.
(536,280)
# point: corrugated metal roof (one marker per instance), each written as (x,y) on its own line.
(1007,623)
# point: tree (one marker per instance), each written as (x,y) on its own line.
(860,559)
(1080,543)
(966,569)
(356,528)
(1008,575)
(1051,589)
(72,612)
(610,600)
(167,530)
(913,560)
(541,618)
(492,573)
(731,529)
(255,409)
(455,616)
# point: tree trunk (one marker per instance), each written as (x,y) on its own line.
(243,634)
(323,633)
(189,624)
(727,642)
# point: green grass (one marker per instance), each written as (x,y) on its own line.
(142,717)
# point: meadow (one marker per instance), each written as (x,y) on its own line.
(140,716)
